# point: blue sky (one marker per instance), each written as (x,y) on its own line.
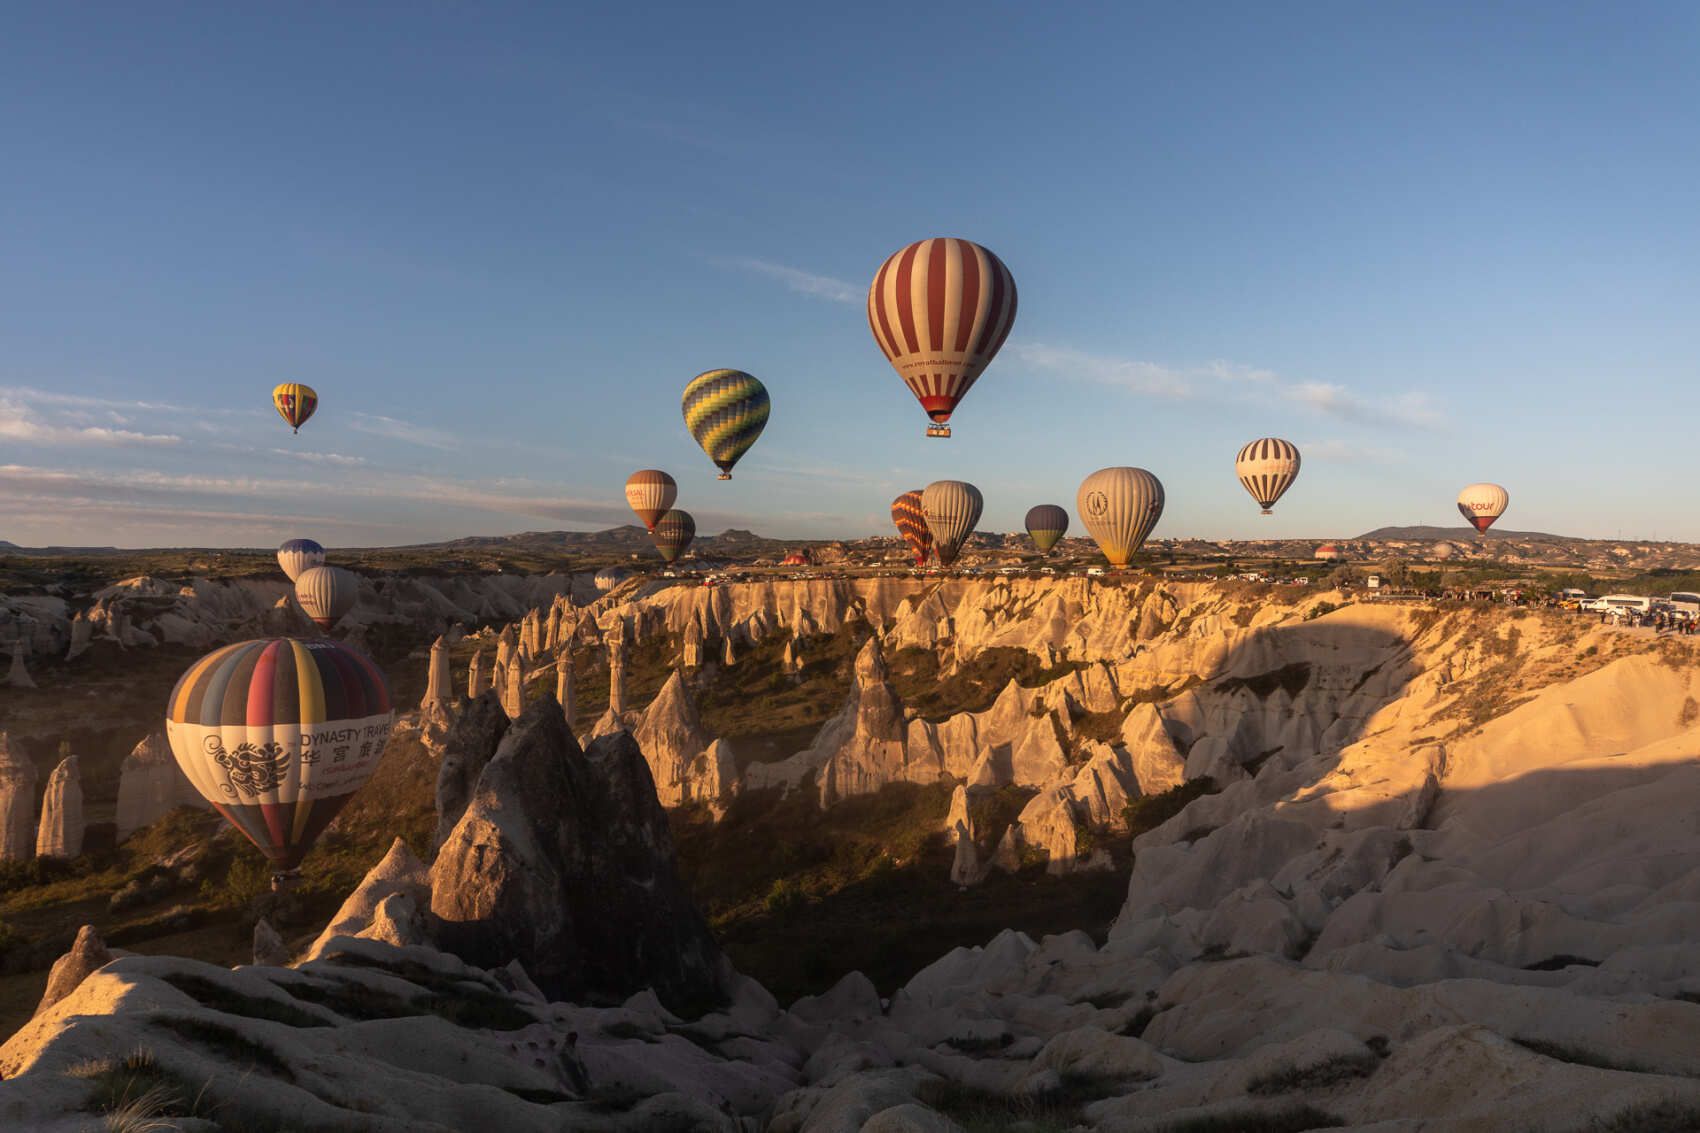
(1430,244)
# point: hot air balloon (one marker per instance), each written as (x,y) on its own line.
(295,403)
(1267,467)
(1045,525)
(725,410)
(911,523)
(327,593)
(277,734)
(673,533)
(1120,507)
(610,577)
(650,492)
(296,555)
(940,309)
(952,508)
(1481,504)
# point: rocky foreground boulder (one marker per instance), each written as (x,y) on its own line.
(563,860)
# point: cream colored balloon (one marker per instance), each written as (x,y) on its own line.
(327,593)
(952,508)
(1120,506)
(1267,467)
(1481,504)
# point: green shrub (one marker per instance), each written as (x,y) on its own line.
(1150,811)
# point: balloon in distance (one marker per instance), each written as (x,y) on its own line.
(295,403)
(610,577)
(673,533)
(326,593)
(650,492)
(911,521)
(940,309)
(725,410)
(296,555)
(277,734)
(1482,504)
(1120,506)
(1046,524)
(952,508)
(1267,467)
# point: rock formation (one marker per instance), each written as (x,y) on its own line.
(563,860)
(439,700)
(269,948)
(88,955)
(691,656)
(687,763)
(475,676)
(870,733)
(17,803)
(616,679)
(565,694)
(467,747)
(82,635)
(728,654)
(388,904)
(792,660)
(18,676)
(60,834)
(151,785)
(513,689)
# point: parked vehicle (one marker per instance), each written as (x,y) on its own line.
(1684,601)
(1620,603)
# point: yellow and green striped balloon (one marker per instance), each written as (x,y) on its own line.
(725,410)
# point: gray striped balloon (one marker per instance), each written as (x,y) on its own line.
(1120,506)
(952,508)
(1267,467)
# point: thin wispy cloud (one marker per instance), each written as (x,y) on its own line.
(1216,379)
(805,282)
(395,429)
(19,422)
(1348,452)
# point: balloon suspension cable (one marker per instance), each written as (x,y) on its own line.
(936,430)
(285,879)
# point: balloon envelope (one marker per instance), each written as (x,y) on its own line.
(952,508)
(673,533)
(911,523)
(725,410)
(1120,507)
(650,492)
(1046,524)
(327,593)
(1267,467)
(296,555)
(277,734)
(939,310)
(611,576)
(1481,504)
(295,403)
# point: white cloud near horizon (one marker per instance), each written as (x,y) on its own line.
(1212,379)
(804,282)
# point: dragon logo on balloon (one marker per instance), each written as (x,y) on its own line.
(254,768)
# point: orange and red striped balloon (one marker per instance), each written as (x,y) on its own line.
(911,523)
(940,309)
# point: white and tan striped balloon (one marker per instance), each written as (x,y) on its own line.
(1120,506)
(952,508)
(327,593)
(1267,467)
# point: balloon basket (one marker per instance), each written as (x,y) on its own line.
(938,430)
(1268,511)
(724,476)
(285,880)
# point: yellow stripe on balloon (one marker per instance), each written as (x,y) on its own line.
(310,688)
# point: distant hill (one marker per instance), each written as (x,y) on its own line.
(1432,534)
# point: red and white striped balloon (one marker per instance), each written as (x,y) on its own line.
(940,309)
